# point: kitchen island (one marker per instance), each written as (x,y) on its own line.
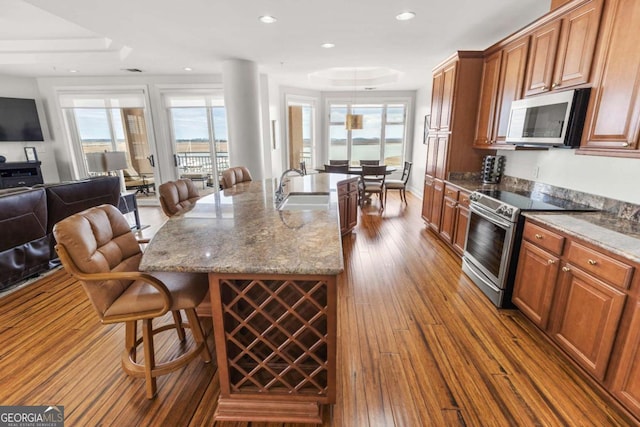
(272,280)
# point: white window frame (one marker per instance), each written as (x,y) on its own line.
(369,100)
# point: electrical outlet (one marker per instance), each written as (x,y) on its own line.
(536,172)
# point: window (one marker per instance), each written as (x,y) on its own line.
(199,130)
(101,121)
(382,136)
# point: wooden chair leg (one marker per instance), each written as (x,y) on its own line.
(177,319)
(149,358)
(130,338)
(198,335)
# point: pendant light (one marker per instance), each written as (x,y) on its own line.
(354,121)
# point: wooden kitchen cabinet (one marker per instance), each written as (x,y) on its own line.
(535,282)
(544,44)
(348,205)
(626,377)
(514,60)
(538,267)
(449,207)
(613,116)
(462,220)
(503,82)
(574,292)
(455,217)
(562,50)
(436,205)
(488,100)
(454,106)
(427,198)
(586,315)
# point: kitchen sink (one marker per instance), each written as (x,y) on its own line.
(305,202)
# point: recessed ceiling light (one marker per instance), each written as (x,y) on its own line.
(405,16)
(73,71)
(188,69)
(327,45)
(268,19)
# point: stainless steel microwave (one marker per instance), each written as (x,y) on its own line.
(554,119)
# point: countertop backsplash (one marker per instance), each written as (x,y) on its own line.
(623,210)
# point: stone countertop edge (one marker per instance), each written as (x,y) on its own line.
(602,229)
(598,228)
(240,231)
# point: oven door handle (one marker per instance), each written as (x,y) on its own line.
(478,275)
(491,218)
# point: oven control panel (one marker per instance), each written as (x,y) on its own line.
(506,211)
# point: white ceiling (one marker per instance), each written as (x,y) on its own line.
(102,37)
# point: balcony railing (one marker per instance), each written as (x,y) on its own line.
(200,162)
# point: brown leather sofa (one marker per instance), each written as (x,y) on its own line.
(27,217)
(68,198)
(24,246)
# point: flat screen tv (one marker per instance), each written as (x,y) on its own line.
(19,120)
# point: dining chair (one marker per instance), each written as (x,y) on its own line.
(373,182)
(399,184)
(97,247)
(369,162)
(336,168)
(338,162)
(177,196)
(235,175)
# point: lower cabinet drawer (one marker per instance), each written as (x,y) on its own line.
(544,238)
(606,268)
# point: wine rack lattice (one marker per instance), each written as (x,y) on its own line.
(276,335)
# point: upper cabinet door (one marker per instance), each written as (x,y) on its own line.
(436,100)
(488,99)
(514,62)
(446,108)
(613,118)
(542,56)
(562,51)
(577,45)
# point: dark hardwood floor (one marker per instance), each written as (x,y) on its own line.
(418,345)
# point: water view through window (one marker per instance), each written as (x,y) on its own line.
(381,137)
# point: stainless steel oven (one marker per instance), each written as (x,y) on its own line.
(494,232)
(488,249)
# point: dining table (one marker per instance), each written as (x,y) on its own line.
(357,170)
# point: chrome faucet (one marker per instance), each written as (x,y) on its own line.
(280,190)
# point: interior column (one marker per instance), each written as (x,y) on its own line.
(242,101)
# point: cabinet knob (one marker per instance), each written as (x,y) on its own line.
(592,262)
(551,261)
(566,269)
(626,144)
(555,85)
(538,236)
(545,88)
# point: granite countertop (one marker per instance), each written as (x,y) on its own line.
(602,229)
(606,230)
(239,230)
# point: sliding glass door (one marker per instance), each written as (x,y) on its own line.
(106,122)
(199,135)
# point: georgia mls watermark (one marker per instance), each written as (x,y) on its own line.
(31,416)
